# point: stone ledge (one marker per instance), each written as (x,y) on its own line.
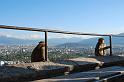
(41,70)
(88,76)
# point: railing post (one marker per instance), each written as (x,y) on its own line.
(46,49)
(110,40)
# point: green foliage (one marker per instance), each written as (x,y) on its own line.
(54,55)
(25,57)
(59,56)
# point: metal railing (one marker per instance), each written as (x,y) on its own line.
(58,31)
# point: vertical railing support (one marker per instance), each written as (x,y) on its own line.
(110,40)
(46,49)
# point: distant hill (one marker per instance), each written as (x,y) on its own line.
(65,42)
(8,40)
(80,44)
(116,41)
(51,42)
(58,41)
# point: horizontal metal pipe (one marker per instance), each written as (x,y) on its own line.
(47,30)
(54,31)
(22,28)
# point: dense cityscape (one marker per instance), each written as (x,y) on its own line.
(12,54)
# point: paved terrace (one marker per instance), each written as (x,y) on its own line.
(42,70)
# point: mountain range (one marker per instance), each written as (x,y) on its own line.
(53,41)
(64,42)
(116,42)
(10,40)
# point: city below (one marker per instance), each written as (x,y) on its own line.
(13,54)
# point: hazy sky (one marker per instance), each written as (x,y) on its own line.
(88,16)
